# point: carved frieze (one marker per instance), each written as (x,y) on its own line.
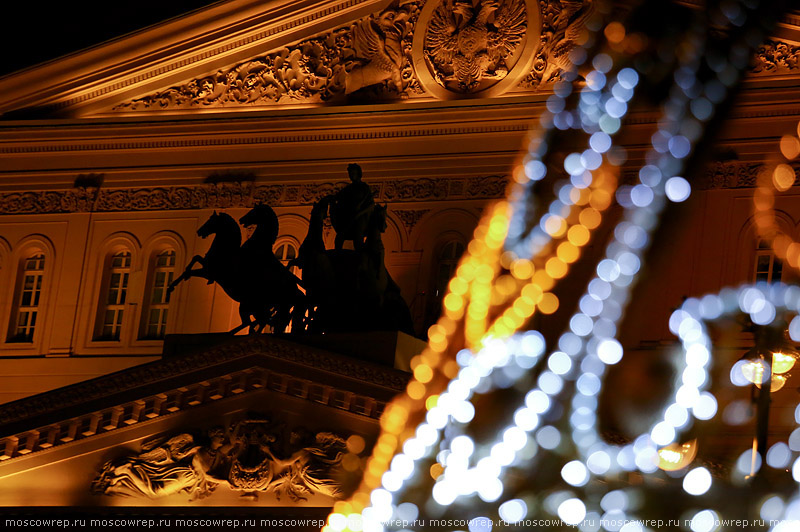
(372,53)
(776,57)
(49,201)
(241,194)
(254,456)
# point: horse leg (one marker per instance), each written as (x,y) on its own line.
(301,306)
(244,315)
(187,274)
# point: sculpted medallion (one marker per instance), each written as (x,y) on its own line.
(475,47)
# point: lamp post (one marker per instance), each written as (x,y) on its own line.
(766,366)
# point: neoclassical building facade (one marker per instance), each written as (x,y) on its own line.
(113,157)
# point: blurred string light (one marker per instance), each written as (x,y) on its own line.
(509,272)
(780,176)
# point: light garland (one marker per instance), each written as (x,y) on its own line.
(779,176)
(496,291)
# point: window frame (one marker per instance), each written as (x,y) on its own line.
(122,318)
(165,305)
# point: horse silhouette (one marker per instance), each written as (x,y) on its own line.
(250,274)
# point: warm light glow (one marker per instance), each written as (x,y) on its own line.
(755,371)
(777,382)
(790,146)
(781,363)
(677,456)
(783,177)
(615,32)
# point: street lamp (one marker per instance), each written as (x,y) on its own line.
(768,362)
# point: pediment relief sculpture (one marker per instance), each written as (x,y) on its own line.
(253,456)
(413,48)
(372,52)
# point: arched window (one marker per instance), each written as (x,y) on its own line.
(115,295)
(29,293)
(444,269)
(286,250)
(157,307)
(768,267)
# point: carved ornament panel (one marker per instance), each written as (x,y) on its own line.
(253,456)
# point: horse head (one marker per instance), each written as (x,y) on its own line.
(320,208)
(210,227)
(265,220)
(379,218)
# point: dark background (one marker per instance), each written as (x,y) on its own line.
(32,32)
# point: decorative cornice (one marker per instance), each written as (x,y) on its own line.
(242,194)
(359,134)
(262,350)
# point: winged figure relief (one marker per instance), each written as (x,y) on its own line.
(469,41)
(377,50)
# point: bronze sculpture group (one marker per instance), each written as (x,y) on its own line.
(342,290)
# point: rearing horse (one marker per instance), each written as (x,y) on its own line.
(261,289)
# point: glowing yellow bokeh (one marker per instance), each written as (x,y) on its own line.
(790,146)
(423,373)
(543,279)
(614,32)
(555,226)
(556,268)
(783,177)
(416,390)
(568,252)
(548,304)
(355,444)
(677,456)
(578,235)
(590,218)
(522,269)
(431,401)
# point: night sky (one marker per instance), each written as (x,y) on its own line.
(34,32)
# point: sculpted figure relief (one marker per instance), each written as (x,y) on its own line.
(162,468)
(245,458)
